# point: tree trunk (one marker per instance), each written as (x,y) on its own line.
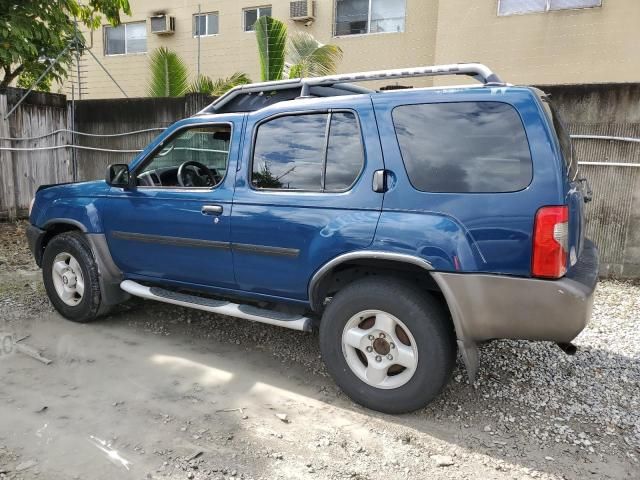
(9,76)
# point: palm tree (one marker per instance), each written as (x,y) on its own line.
(169,74)
(271,35)
(204,84)
(301,55)
(170,78)
(306,57)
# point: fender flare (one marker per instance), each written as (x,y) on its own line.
(110,275)
(65,221)
(319,275)
(467,346)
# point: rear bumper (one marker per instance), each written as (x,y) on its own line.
(35,236)
(485,307)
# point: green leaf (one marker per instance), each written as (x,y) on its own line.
(204,84)
(271,35)
(309,58)
(32,29)
(169,74)
(223,85)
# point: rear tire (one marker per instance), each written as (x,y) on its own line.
(71,277)
(387,344)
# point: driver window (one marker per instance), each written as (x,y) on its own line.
(196,157)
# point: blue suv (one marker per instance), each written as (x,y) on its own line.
(406,224)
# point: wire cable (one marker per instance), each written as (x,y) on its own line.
(85,134)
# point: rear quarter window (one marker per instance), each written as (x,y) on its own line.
(463,147)
(564,140)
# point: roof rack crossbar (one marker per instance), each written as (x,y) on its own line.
(480,72)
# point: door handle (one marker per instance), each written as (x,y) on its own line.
(211,210)
(380,181)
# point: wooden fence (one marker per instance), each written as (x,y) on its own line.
(34,155)
(22,171)
(109,117)
(611,166)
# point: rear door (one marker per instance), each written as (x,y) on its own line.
(304,193)
(471,167)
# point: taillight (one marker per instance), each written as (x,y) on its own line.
(550,242)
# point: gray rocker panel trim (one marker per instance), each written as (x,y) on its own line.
(361,255)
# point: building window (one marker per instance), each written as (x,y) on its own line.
(356,17)
(125,38)
(514,7)
(251,16)
(205,24)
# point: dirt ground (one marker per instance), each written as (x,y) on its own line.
(157,392)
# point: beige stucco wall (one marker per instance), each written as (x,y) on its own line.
(572,46)
(235,50)
(596,45)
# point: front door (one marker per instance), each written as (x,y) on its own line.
(174,224)
(304,194)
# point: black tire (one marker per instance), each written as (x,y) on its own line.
(74,243)
(428,322)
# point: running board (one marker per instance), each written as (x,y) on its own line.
(222,307)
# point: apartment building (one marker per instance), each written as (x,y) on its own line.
(525,41)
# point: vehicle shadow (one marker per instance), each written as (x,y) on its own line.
(532,407)
(172,381)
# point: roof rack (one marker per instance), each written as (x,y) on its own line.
(341,82)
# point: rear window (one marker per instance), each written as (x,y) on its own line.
(465,147)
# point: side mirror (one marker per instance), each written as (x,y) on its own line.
(118,175)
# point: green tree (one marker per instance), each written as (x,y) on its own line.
(34,32)
(169,74)
(271,35)
(218,87)
(300,54)
(265,179)
(170,77)
(28,78)
(306,57)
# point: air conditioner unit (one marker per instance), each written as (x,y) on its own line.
(302,10)
(163,24)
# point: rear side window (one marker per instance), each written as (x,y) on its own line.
(345,157)
(313,152)
(465,147)
(564,139)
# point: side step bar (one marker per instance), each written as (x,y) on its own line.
(248,312)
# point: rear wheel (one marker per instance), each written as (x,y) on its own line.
(71,278)
(387,344)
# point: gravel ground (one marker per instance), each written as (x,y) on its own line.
(534,411)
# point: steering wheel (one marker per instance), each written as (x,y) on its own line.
(190,175)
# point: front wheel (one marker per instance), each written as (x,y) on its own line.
(71,278)
(387,344)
